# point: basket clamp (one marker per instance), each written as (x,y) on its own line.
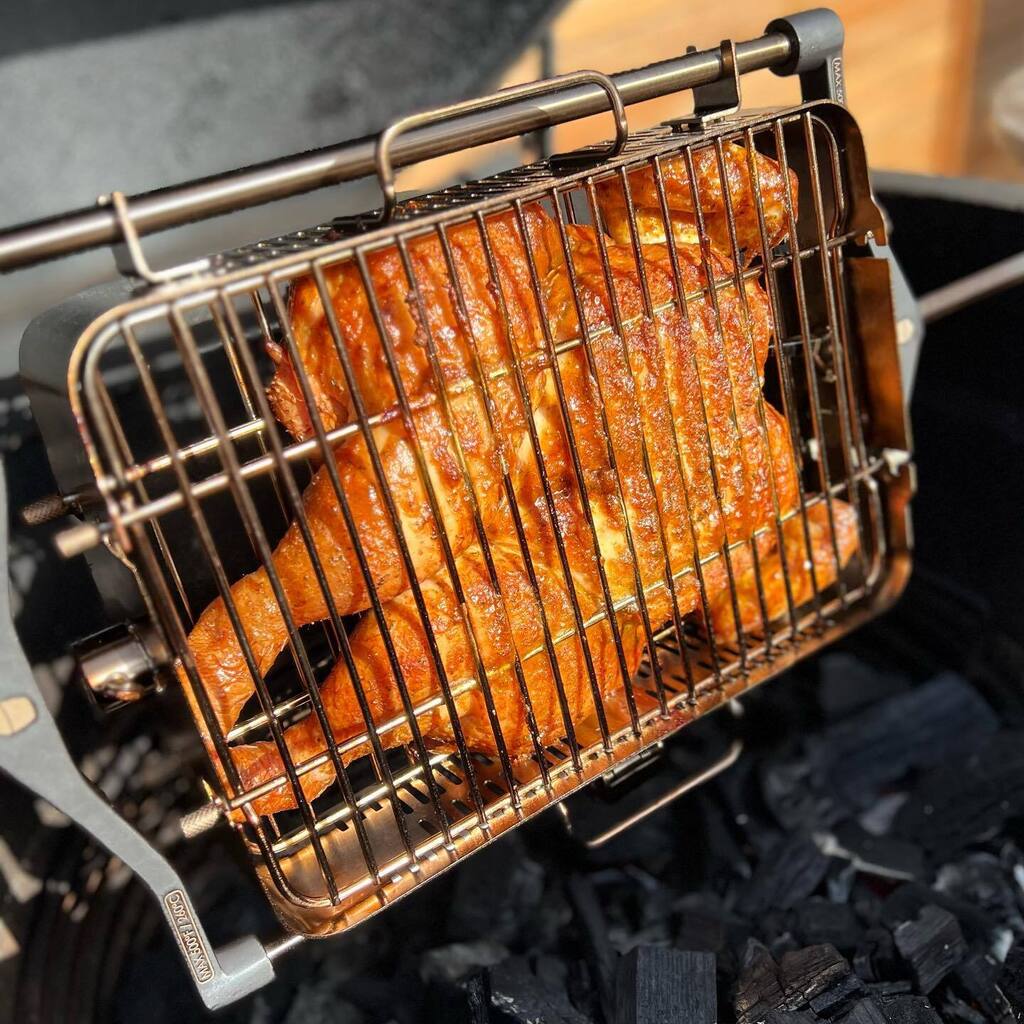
(719,98)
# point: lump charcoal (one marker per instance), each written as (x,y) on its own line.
(875,959)
(791,1017)
(703,925)
(847,684)
(808,973)
(907,902)
(496,893)
(1011,979)
(889,989)
(817,920)
(781,944)
(522,995)
(942,721)
(834,1001)
(909,1010)
(655,985)
(457,959)
(886,856)
(976,979)
(932,945)
(967,799)
(597,948)
(466,1001)
(785,875)
(954,1008)
(864,1011)
(982,879)
(758,989)
(793,797)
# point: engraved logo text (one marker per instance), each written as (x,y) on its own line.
(188,935)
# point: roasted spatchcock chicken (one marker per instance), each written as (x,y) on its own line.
(664,402)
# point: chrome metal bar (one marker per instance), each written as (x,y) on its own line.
(91,227)
(973,288)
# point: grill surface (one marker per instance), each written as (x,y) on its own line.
(198,482)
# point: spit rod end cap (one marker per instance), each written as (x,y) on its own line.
(77,539)
(816,36)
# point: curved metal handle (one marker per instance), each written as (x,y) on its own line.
(33,752)
(513,94)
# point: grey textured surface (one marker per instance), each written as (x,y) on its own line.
(141,109)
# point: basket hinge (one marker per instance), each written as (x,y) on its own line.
(719,98)
(128,255)
(816,38)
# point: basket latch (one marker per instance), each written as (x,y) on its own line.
(719,98)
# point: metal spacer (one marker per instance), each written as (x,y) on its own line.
(128,255)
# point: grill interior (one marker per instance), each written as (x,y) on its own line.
(199,483)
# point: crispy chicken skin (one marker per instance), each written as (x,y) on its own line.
(679,195)
(649,379)
(478,329)
(686,458)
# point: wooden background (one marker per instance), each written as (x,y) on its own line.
(914,79)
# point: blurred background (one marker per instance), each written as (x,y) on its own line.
(98,95)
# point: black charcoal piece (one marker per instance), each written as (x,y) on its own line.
(758,989)
(785,875)
(954,1008)
(522,993)
(654,985)
(849,684)
(967,799)
(793,798)
(888,989)
(807,973)
(790,1017)
(593,932)
(942,721)
(906,902)
(817,920)
(909,1010)
(983,880)
(834,1001)
(781,944)
(876,959)
(863,1011)
(495,893)
(466,1001)
(1011,978)
(976,979)
(932,944)
(887,856)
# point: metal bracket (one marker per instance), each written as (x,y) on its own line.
(690,782)
(128,255)
(816,40)
(33,753)
(720,98)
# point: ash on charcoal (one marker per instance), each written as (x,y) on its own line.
(525,993)
(793,797)
(932,945)
(758,989)
(454,961)
(495,893)
(655,985)
(785,875)
(966,800)
(818,921)
(909,1010)
(942,721)
(877,855)
(981,879)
